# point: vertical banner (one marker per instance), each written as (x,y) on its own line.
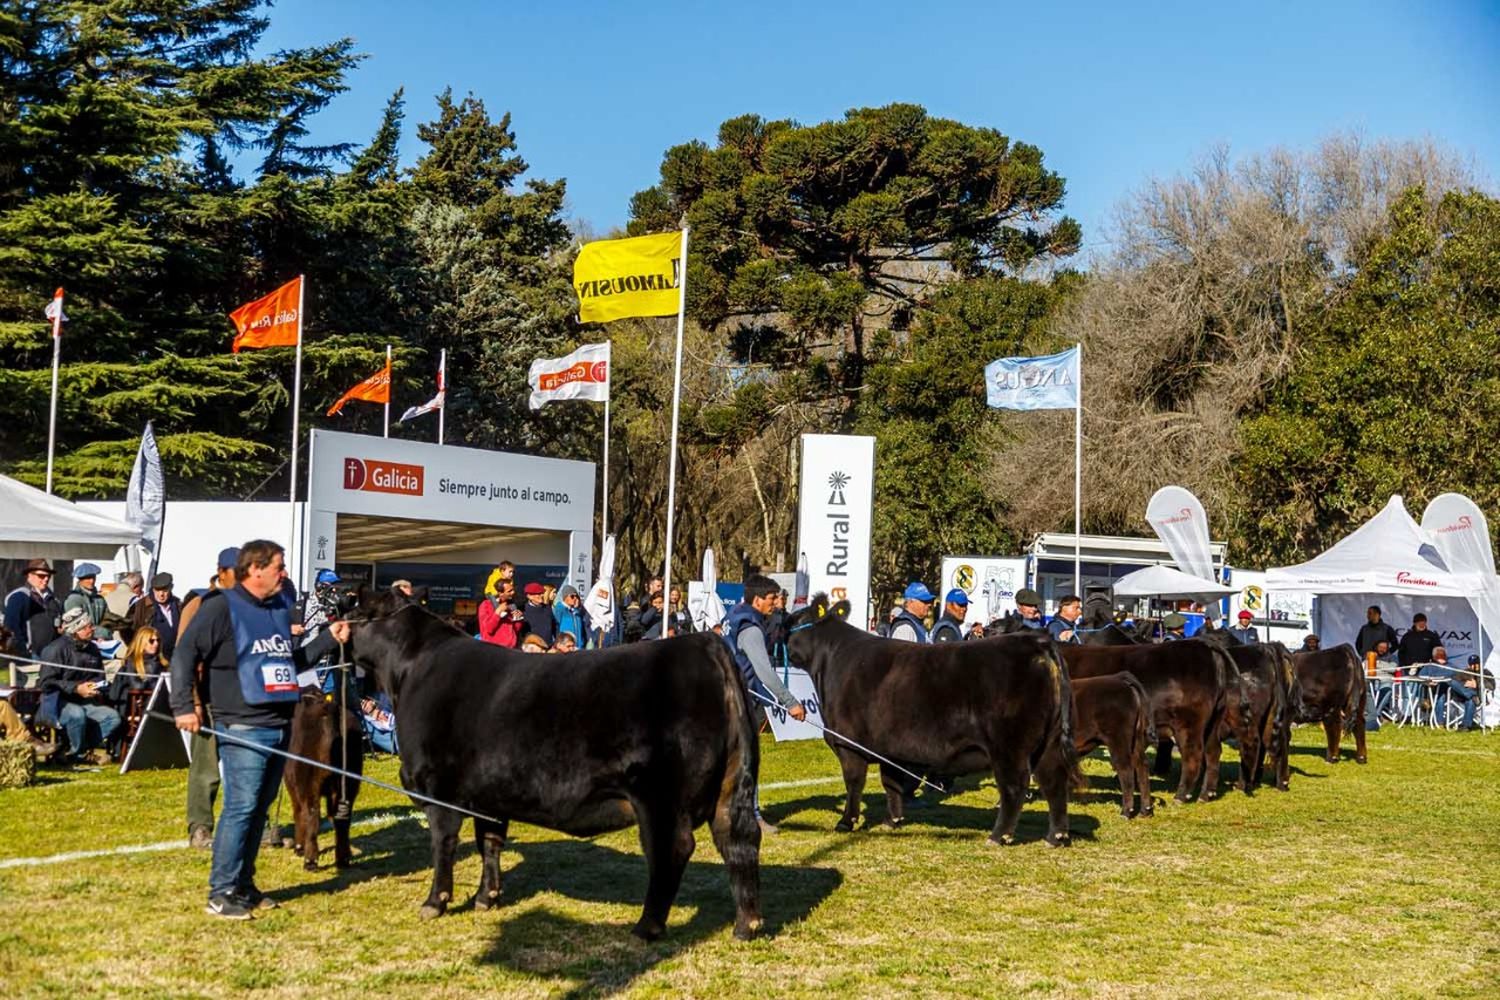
(1178,519)
(837,493)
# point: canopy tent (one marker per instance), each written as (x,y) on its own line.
(36,525)
(1169,583)
(1388,554)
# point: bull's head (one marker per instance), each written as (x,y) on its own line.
(806,626)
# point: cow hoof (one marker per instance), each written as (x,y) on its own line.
(1006,840)
(744,930)
(430,912)
(894,822)
(1283,788)
(1331,760)
(1148,812)
(1127,814)
(1361,760)
(1061,840)
(647,930)
(309,866)
(843,826)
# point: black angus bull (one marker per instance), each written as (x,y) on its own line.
(1114,711)
(1263,670)
(1002,705)
(1188,682)
(656,734)
(1328,686)
(316,736)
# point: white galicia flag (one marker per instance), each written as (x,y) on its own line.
(1179,521)
(584,374)
(1044,383)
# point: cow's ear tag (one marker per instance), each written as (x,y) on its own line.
(821,610)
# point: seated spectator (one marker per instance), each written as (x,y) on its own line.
(565,643)
(1384,679)
(140,667)
(533,644)
(1463,685)
(13,730)
(539,620)
(86,595)
(1419,644)
(73,680)
(379,722)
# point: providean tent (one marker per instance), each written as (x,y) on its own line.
(36,525)
(1392,562)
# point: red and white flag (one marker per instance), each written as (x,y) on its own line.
(436,402)
(584,374)
(54,312)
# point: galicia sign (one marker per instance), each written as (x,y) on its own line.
(837,501)
(382,477)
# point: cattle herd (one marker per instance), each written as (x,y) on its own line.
(663,736)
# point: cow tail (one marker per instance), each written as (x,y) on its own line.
(1280,705)
(1149,720)
(1229,686)
(744,743)
(1065,720)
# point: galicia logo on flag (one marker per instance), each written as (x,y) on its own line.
(1044,383)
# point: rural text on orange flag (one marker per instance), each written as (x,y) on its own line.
(375,389)
(272,321)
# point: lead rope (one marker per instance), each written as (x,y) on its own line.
(344,811)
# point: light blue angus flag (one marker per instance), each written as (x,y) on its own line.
(1045,383)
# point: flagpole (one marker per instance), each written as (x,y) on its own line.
(387,390)
(666,577)
(608,392)
(296,410)
(56,361)
(1078,480)
(443,388)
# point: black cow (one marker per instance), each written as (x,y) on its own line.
(315,735)
(1263,669)
(1002,705)
(1114,711)
(1328,686)
(1189,682)
(656,734)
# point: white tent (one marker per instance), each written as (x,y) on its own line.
(1169,583)
(35,525)
(1392,562)
(1388,554)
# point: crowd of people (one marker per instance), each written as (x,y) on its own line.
(1417,654)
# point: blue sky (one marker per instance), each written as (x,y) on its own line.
(1111,93)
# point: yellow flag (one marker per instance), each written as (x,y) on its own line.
(617,279)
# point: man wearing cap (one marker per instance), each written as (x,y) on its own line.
(162,611)
(539,620)
(244,637)
(916,601)
(950,627)
(33,613)
(568,612)
(1029,606)
(1173,627)
(203,751)
(1064,625)
(1246,633)
(86,595)
(321,607)
(1418,644)
(74,675)
(1373,631)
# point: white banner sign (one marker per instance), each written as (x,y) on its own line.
(1178,519)
(783,726)
(584,374)
(1462,535)
(837,505)
(990,582)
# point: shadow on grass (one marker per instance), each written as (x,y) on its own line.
(603,960)
(399,849)
(945,815)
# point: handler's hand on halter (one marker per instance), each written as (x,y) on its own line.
(188,722)
(797,712)
(340,632)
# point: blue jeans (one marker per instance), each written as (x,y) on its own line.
(1469,696)
(250,781)
(81,721)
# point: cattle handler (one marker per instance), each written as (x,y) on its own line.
(1173,627)
(244,638)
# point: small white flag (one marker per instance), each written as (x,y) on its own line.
(436,402)
(584,374)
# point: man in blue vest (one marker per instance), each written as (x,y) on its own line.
(1064,625)
(745,634)
(1029,607)
(243,635)
(950,627)
(916,601)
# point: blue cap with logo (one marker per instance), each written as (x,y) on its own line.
(917,591)
(957,596)
(229,558)
(327,576)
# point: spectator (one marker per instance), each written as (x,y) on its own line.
(776,634)
(86,595)
(679,621)
(533,644)
(1173,627)
(539,620)
(1418,645)
(74,675)
(379,722)
(1385,681)
(1311,643)
(1461,685)
(568,613)
(651,611)
(500,621)
(565,643)
(502,574)
(631,629)
(143,660)
(13,730)
(1372,631)
(162,610)
(1245,633)
(321,607)
(402,587)
(32,612)
(135,583)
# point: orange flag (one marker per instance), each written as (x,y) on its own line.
(274,321)
(375,389)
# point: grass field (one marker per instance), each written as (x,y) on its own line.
(1372,880)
